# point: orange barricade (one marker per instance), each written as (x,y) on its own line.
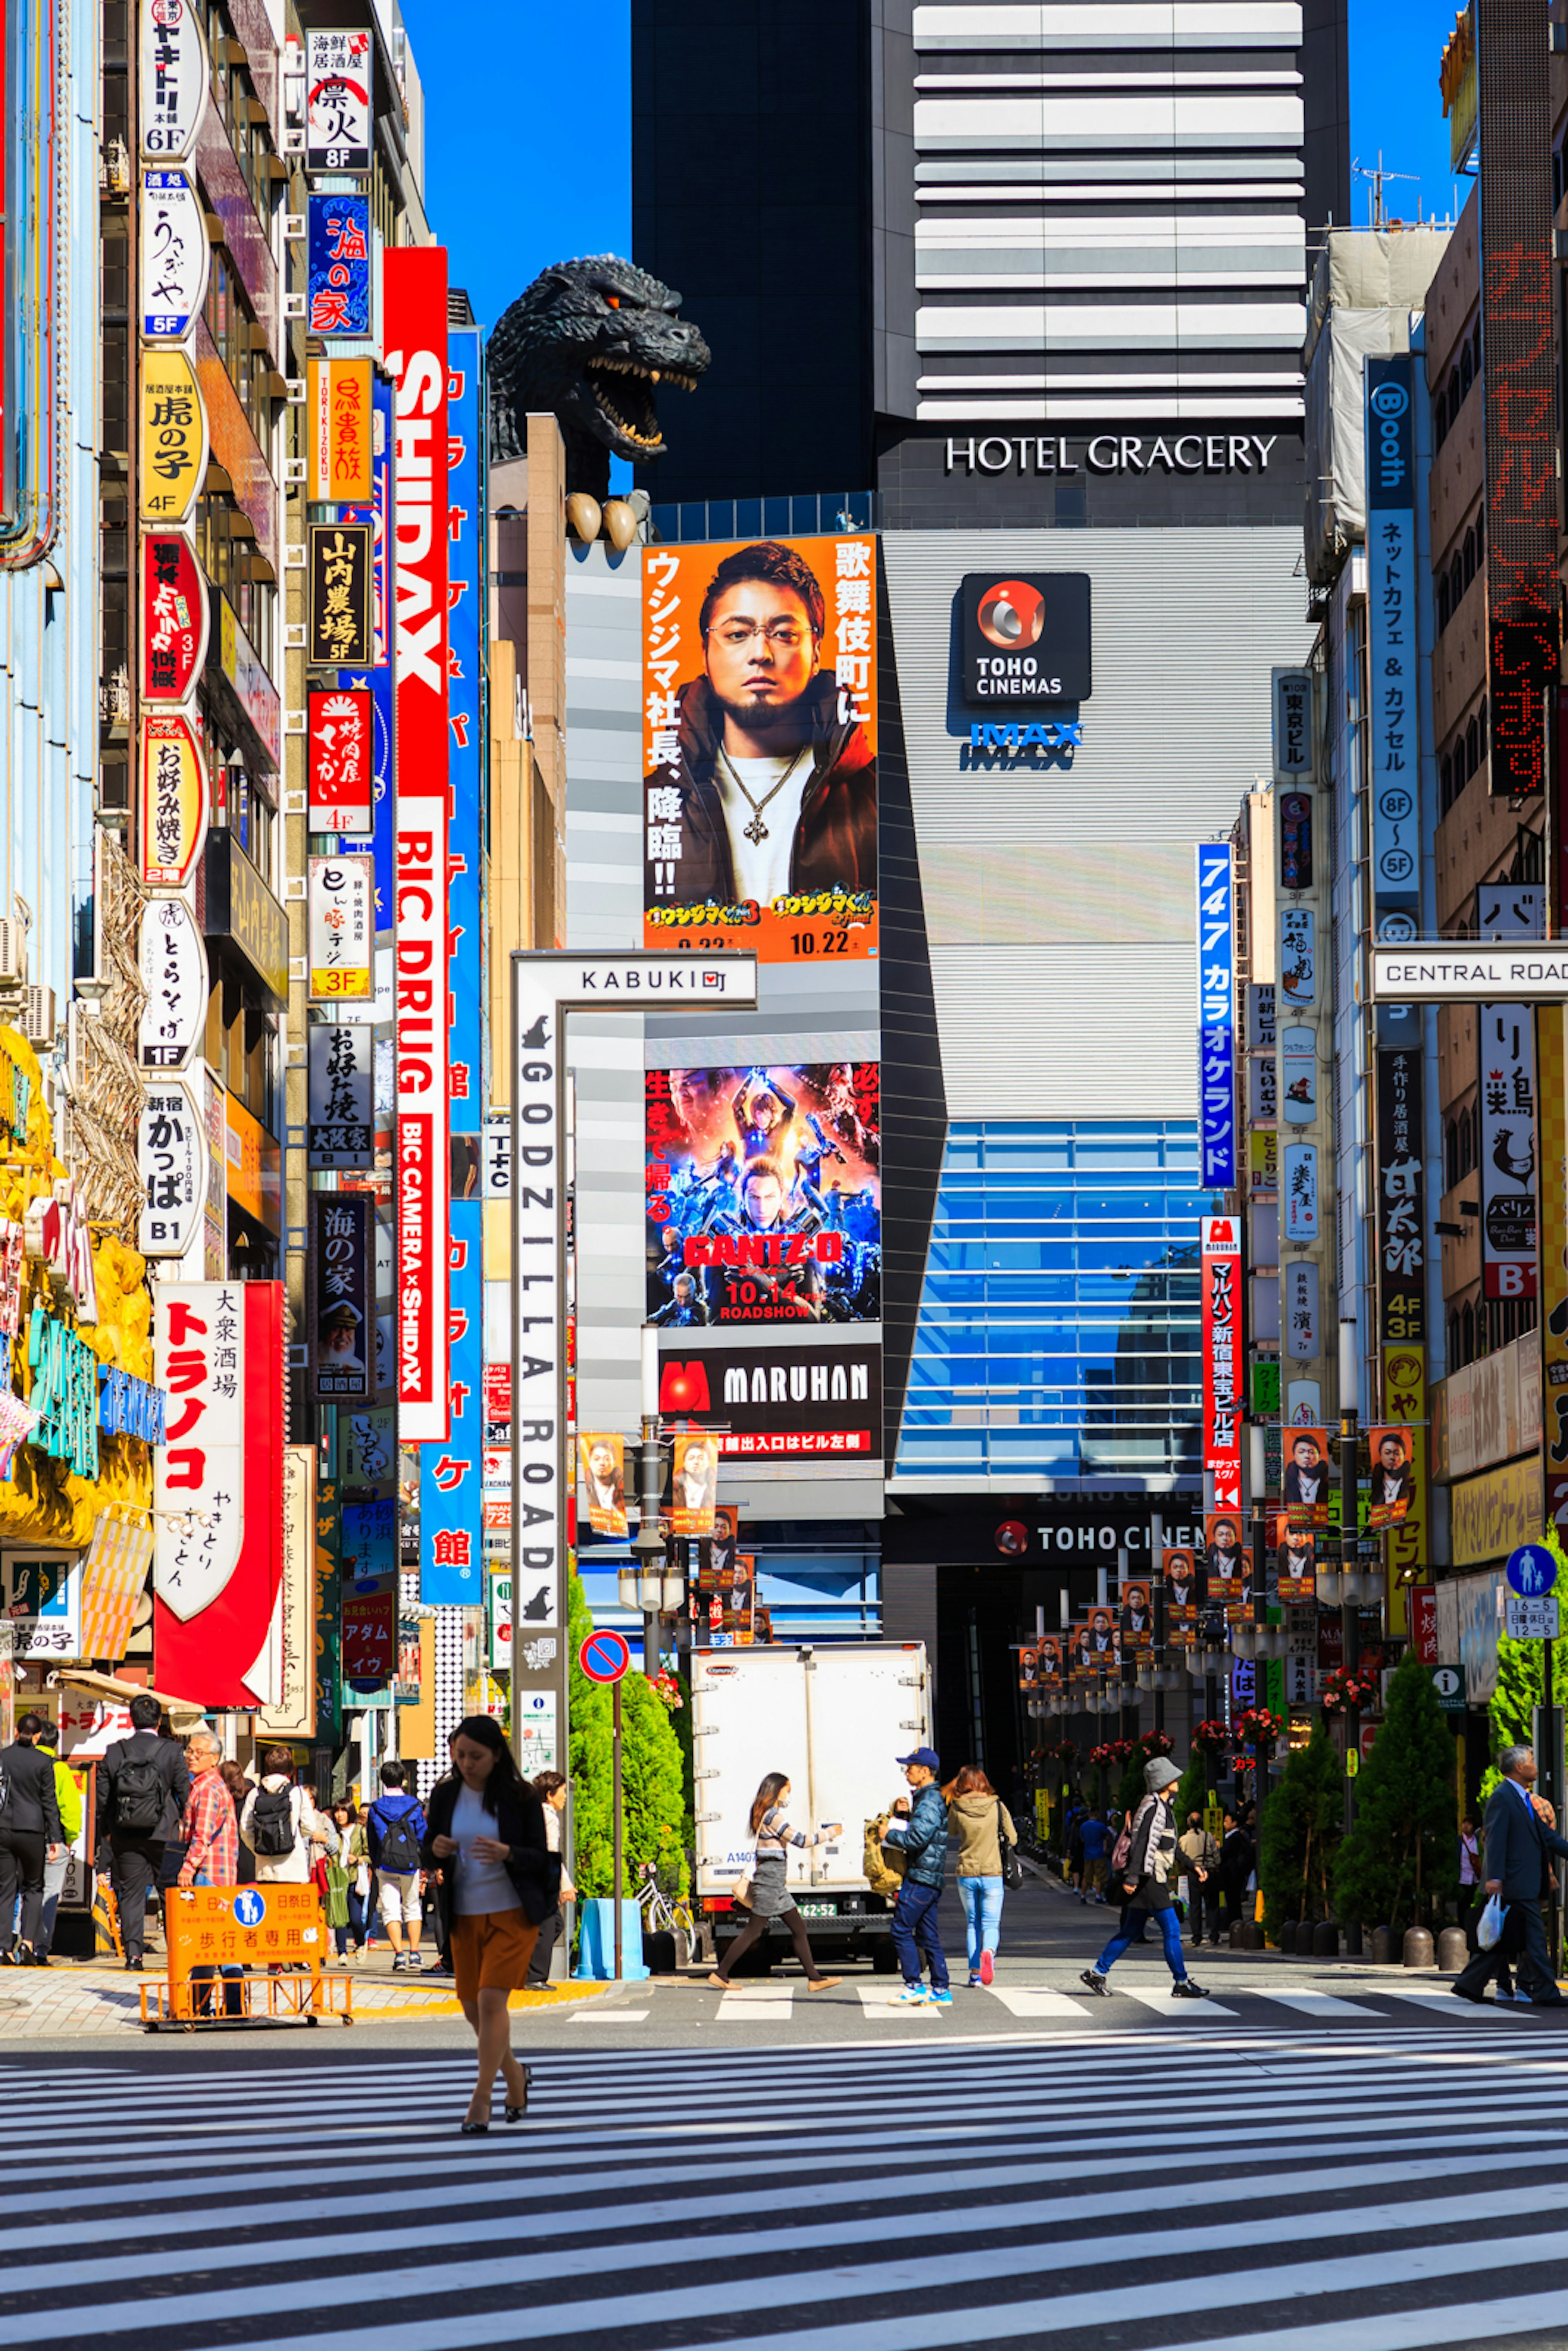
(278,1931)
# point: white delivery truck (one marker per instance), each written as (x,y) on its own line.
(834,1720)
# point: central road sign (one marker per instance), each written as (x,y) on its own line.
(604,1657)
(1452,971)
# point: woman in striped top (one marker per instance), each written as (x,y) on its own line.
(770,1897)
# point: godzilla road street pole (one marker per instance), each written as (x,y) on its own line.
(546,987)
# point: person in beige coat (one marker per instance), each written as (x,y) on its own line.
(281,1824)
(981,1824)
(1200,1858)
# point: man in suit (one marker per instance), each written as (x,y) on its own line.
(1519,1846)
(30,1833)
(143,1784)
(1307,1475)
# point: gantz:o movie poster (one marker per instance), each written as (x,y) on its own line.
(764,1195)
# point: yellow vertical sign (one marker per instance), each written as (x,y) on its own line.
(173,436)
(337,414)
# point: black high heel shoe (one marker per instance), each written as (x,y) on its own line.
(476,2131)
(515,2114)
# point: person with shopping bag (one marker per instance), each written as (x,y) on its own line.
(1518,1849)
(1143,1873)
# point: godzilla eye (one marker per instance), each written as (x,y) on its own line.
(613,300)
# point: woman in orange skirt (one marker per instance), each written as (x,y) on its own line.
(499,1881)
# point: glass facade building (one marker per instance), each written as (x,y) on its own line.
(1058,1335)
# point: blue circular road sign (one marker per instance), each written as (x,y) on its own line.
(604,1657)
(1531,1571)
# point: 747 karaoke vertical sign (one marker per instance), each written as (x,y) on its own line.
(1216,1019)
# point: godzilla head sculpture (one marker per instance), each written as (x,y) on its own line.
(592,340)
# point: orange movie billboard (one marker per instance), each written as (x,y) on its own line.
(760,746)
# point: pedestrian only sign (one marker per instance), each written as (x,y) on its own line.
(1531,1571)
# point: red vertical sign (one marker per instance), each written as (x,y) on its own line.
(413,289)
(1222,1358)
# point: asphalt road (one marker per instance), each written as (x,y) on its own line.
(1386,2174)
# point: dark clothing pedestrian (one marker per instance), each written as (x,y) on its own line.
(913,1934)
(1518,1849)
(1238,1859)
(29,1824)
(135,1773)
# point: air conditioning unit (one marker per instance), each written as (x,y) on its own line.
(39,1023)
(294,305)
(13,952)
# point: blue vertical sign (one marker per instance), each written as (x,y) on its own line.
(338,267)
(1393,706)
(451,1478)
(1215,1018)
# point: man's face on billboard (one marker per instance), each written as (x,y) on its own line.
(764,1198)
(699,1461)
(1137,1599)
(1224,1536)
(602,1463)
(761,652)
(1391,1453)
(1306,1452)
(684,1286)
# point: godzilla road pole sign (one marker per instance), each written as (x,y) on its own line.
(546,987)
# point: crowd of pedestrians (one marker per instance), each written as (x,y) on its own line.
(172,1813)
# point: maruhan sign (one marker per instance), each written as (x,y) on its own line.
(1453,972)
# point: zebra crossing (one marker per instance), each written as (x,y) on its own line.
(782,2000)
(1383,2187)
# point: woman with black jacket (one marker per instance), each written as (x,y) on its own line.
(497,1882)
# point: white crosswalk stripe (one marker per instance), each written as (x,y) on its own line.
(1184,2012)
(1405,2165)
(757,2003)
(1020,2000)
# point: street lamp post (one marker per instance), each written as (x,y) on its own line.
(649,1584)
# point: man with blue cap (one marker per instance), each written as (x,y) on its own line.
(923,1837)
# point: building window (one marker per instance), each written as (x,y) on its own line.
(1059,1324)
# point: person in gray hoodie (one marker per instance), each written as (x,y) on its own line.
(1143,1879)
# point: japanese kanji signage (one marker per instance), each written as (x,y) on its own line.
(1215,1019)
(338,100)
(1506,1037)
(173,965)
(291,1637)
(172,1157)
(782,864)
(338,595)
(338,300)
(340,1267)
(1519,389)
(173,435)
(175,256)
(1293,726)
(340,734)
(338,406)
(341,895)
(340,1131)
(413,291)
(218,1555)
(1299,1193)
(174,799)
(1402,1269)
(172,80)
(1391,660)
(1222,1357)
(174,616)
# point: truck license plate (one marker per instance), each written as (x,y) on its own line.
(818,1910)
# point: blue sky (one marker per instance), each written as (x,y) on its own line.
(528,130)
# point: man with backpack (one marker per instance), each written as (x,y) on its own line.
(395,1830)
(1097,1842)
(142,1787)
